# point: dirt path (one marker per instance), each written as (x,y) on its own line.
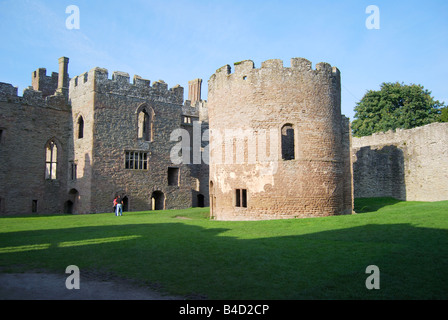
(46,286)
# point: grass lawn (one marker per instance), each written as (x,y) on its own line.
(185,253)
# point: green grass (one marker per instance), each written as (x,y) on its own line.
(185,253)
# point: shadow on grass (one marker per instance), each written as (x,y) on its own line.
(364,205)
(188,259)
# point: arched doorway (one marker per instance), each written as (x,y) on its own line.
(158,200)
(70,204)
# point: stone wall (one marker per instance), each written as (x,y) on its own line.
(27,124)
(251,113)
(112,138)
(110,109)
(405,164)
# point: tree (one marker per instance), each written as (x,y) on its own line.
(395,106)
(444,115)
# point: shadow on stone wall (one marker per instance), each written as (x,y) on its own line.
(379,173)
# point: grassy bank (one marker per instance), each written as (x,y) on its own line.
(185,253)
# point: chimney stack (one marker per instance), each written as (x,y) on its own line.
(194,90)
(63,79)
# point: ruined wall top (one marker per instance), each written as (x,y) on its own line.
(8,93)
(397,136)
(244,69)
(97,79)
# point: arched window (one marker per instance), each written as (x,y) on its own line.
(51,160)
(146,124)
(80,127)
(288,142)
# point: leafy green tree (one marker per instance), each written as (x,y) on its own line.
(395,106)
(444,115)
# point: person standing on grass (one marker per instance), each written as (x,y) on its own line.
(119,207)
(115,204)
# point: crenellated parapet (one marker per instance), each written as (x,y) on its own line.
(46,84)
(273,70)
(8,93)
(298,89)
(97,79)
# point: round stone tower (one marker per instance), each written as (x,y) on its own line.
(279,146)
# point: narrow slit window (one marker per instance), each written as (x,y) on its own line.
(80,128)
(288,142)
(244,198)
(74,169)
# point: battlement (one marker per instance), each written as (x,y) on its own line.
(246,69)
(8,93)
(46,84)
(97,79)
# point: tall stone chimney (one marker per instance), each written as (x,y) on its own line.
(194,90)
(63,79)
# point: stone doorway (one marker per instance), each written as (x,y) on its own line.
(158,200)
(70,206)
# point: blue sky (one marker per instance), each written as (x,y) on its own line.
(180,40)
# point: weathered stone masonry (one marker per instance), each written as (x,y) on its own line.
(109,137)
(405,164)
(307,172)
(28,125)
(279,146)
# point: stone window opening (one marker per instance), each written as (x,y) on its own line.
(73,170)
(51,152)
(136,160)
(187,120)
(173,176)
(80,127)
(146,124)
(288,152)
(241,198)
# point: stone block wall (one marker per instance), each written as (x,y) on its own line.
(248,111)
(110,109)
(405,164)
(27,124)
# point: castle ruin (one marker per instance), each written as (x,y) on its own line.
(280,147)
(72,145)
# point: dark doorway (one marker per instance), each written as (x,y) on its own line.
(125,203)
(200,200)
(158,200)
(34,206)
(68,207)
(70,204)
